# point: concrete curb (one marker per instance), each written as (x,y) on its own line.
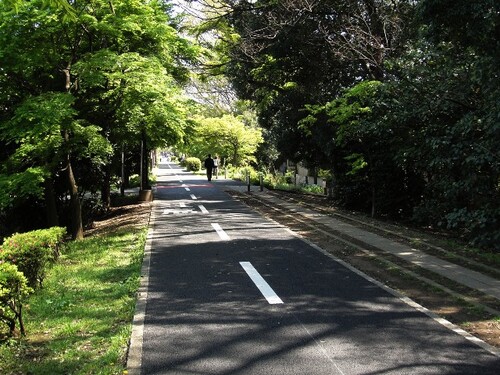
(134,359)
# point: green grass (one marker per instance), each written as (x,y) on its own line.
(309,189)
(80,322)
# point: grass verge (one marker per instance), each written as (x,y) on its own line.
(80,322)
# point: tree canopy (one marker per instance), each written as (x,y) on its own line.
(77,91)
(226,136)
(399,99)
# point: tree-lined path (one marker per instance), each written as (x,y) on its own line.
(229,292)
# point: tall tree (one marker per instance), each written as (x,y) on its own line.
(286,54)
(227,136)
(37,63)
(120,62)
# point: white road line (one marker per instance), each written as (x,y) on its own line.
(203,209)
(187,189)
(177,212)
(182,205)
(260,283)
(223,235)
(193,197)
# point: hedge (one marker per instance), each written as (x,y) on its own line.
(193,164)
(14,290)
(24,258)
(32,252)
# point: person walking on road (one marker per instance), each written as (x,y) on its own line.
(216,167)
(209,166)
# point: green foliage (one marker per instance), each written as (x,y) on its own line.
(277,181)
(313,189)
(465,23)
(272,181)
(33,251)
(482,225)
(227,136)
(400,102)
(452,138)
(241,174)
(79,88)
(145,97)
(14,290)
(193,164)
(84,311)
(19,185)
(134,181)
(57,4)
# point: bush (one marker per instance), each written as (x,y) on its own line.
(313,189)
(134,181)
(32,251)
(479,227)
(13,290)
(192,164)
(240,173)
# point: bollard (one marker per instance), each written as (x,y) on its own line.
(261,180)
(248,181)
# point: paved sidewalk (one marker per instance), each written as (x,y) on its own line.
(459,274)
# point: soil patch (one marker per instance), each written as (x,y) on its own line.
(133,215)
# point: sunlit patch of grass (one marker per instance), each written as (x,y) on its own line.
(80,322)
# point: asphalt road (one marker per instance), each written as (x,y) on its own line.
(231,292)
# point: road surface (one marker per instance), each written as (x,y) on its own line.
(230,292)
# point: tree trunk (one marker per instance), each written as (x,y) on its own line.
(50,203)
(75,205)
(124,180)
(106,188)
(374,191)
(76,208)
(20,319)
(144,164)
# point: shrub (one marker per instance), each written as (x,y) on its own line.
(313,189)
(241,173)
(13,290)
(32,251)
(192,164)
(134,181)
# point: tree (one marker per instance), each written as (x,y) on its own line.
(41,128)
(452,72)
(142,103)
(120,64)
(132,81)
(34,71)
(287,54)
(226,136)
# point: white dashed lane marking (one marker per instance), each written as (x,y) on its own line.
(223,235)
(268,292)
